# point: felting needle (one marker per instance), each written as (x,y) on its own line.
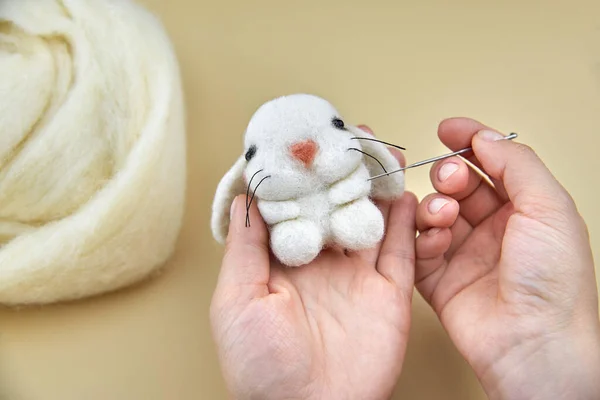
(434,159)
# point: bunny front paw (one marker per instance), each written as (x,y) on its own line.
(358,225)
(296,242)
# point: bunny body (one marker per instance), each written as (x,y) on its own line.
(340,214)
(309,175)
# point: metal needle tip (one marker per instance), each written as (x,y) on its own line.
(434,159)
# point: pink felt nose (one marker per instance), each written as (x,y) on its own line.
(304,152)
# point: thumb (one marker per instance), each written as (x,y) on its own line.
(246,261)
(529,184)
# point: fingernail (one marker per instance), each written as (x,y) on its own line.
(436,205)
(433,231)
(490,136)
(446,171)
(233,207)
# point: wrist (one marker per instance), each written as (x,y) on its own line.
(560,367)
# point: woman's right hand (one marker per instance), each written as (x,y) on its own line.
(508,269)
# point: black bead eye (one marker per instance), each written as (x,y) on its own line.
(338,123)
(250,153)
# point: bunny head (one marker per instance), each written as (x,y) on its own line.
(301,143)
(298,145)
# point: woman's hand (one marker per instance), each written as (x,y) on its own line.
(334,329)
(508,269)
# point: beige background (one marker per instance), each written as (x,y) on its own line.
(400,66)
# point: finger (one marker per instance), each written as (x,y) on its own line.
(246,261)
(448,216)
(432,243)
(436,211)
(460,232)
(366,129)
(476,197)
(457,134)
(531,187)
(397,256)
(430,261)
(475,259)
(398,156)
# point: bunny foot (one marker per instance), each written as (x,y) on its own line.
(358,225)
(296,242)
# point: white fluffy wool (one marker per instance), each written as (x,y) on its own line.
(309,205)
(92,148)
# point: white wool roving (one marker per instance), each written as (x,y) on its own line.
(92,148)
(309,171)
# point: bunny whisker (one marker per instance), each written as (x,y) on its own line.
(252,199)
(379,141)
(248,193)
(369,155)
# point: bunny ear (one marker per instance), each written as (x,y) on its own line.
(231,185)
(387,187)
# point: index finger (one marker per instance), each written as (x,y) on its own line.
(457,134)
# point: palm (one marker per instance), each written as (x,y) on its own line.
(480,321)
(323,319)
(336,326)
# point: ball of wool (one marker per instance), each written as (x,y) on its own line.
(92,148)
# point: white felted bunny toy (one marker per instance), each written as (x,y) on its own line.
(309,171)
